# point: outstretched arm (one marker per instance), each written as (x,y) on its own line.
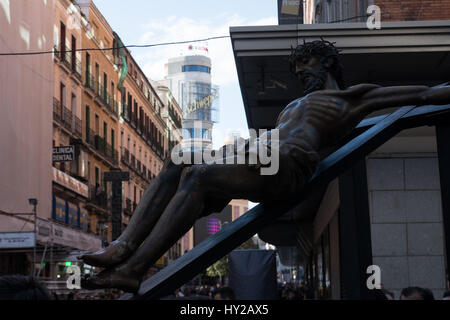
(387,97)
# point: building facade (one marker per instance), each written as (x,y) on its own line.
(93,116)
(26,124)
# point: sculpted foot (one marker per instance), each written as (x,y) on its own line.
(115,253)
(111,278)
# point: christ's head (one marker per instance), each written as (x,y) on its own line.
(313,61)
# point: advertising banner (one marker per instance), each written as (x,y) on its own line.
(14,240)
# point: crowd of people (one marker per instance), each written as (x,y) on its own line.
(204,292)
(19,287)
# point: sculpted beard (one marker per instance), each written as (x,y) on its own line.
(317,83)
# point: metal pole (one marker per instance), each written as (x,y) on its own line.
(35,242)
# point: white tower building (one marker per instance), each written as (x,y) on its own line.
(189,79)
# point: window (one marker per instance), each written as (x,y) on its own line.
(97,78)
(105,85)
(88,67)
(97,177)
(195,68)
(62,40)
(105,131)
(73,57)
(87,125)
(113,142)
(97,124)
(73,104)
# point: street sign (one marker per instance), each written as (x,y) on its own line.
(13,240)
(63,153)
(117,176)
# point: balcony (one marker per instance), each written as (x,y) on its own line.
(124,112)
(99,143)
(138,166)
(56,110)
(77,126)
(128,207)
(144,172)
(175,118)
(133,120)
(90,137)
(76,66)
(66,57)
(98,196)
(67,118)
(149,175)
(89,82)
(133,162)
(125,157)
(102,147)
(64,117)
(109,102)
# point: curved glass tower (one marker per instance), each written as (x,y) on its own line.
(189,79)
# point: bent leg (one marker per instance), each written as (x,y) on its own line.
(144,218)
(187,205)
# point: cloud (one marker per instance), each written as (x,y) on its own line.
(174,28)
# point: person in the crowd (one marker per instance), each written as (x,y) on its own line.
(389,295)
(224,293)
(416,293)
(20,287)
(446,295)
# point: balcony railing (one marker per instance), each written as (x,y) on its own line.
(90,137)
(133,162)
(144,172)
(101,146)
(56,110)
(149,175)
(89,82)
(77,126)
(66,57)
(98,197)
(138,166)
(76,67)
(64,116)
(176,119)
(109,101)
(128,207)
(124,111)
(125,157)
(67,119)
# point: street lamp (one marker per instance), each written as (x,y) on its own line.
(33,202)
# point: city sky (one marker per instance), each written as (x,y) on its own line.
(148,22)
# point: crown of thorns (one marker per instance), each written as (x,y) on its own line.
(321,48)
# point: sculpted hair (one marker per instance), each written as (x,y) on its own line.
(322,49)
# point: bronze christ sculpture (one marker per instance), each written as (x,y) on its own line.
(309,129)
